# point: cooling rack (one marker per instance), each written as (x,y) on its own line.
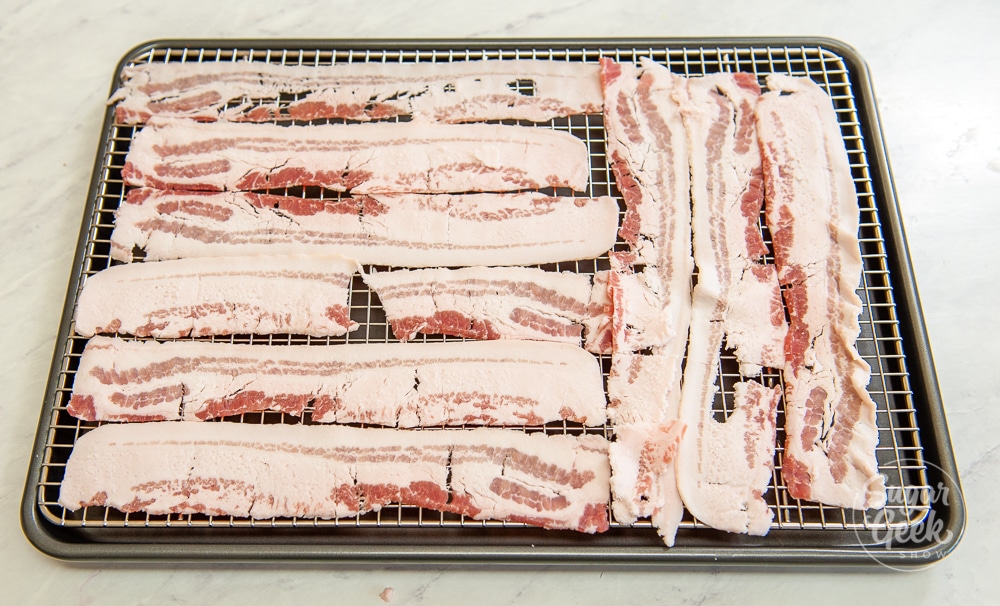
(914,452)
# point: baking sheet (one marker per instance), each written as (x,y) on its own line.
(914,451)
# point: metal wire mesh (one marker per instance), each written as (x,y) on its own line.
(899,453)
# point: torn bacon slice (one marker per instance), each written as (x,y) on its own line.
(403,230)
(363,158)
(727,194)
(309,471)
(812,212)
(395,385)
(597,327)
(460,91)
(646,145)
(644,308)
(293,294)
(651,309)
(648,154)
(642,457)
(725,466)
(642,407)
(491,303)
(647,149)
(641,388)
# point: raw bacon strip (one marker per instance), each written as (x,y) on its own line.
(489,303)
(642,457)
(647,149)
(363,158)
(755,320)
(727,194)
(597,327)
(419,385)
(403,230)
(641,388)
(724,467)
(305,295)
(648,154)
(462,91)
(812,212)
(642,307)
(309,471)
(642,408)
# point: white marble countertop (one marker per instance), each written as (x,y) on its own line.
(934,71)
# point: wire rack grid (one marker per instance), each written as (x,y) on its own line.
(900,454)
